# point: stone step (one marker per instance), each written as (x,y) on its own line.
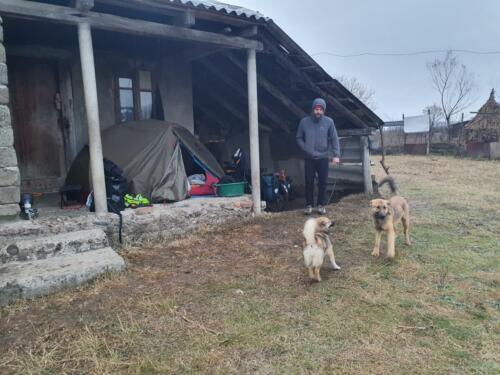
(40,277)
(17,250)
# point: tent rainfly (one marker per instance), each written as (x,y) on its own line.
(150,154)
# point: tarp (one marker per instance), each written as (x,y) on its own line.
(416,124)
(149,152)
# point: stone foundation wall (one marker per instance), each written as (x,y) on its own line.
(10,179)
(161,222)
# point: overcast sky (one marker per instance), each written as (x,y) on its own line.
(402,84)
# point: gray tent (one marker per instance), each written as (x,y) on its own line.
(150,153)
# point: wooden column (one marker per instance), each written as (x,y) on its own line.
(429,134)
(253,115)
(367,174)
(92,110)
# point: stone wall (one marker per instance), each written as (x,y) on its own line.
(9,172)
(160,222)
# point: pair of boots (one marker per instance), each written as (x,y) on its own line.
(319,210)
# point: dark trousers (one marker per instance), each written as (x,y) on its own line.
(319,167)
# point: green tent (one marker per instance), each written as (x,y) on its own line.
(150,153)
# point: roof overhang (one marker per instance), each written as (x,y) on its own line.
(66,15)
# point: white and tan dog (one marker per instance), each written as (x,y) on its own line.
(317,245)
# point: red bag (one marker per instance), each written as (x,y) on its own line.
(207,189)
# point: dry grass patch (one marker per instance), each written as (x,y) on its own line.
(237,300)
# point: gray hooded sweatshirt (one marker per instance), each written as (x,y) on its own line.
(318,137)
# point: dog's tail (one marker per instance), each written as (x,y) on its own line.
(391,182)
(309,232)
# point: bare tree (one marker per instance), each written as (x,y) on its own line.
(436,114)
(360,90)
(454,83)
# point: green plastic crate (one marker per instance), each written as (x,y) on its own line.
(236,189)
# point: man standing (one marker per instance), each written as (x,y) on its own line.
(317,137)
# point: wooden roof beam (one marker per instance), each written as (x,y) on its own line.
(229,108)
(206,111)
(65,15)
(242,92)
(337,86)
(185,19)
(199,52)
(271,89)
(170,8)
(284,61)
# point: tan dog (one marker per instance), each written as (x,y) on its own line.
(317,244)
(386,214)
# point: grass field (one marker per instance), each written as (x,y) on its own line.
(237,300)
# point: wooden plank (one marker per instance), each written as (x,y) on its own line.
(351,173)
(41,52)
(307,68)
(271,89)
(354,132)
(170,8)
(325,83)
(250,32)
(33,86)
(59,14)
(84,5)
(209,114)
(199,52)
(67,112)
(367,174)
(145,6)
(351,156)
(228,107)
(185,19)
(242,92)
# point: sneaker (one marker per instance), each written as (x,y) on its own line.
(308,210)
(321,210)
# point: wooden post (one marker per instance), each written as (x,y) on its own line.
(367,174)
(92,110)
(429,135)
(253,116)
(382,162)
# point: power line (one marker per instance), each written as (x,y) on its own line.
(415,53)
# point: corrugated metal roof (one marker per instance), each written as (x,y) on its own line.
(232,10)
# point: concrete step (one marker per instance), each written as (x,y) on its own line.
(40,277)
(17,250)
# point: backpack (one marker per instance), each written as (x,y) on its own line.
(116,188)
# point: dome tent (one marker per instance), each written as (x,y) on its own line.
(150,153)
